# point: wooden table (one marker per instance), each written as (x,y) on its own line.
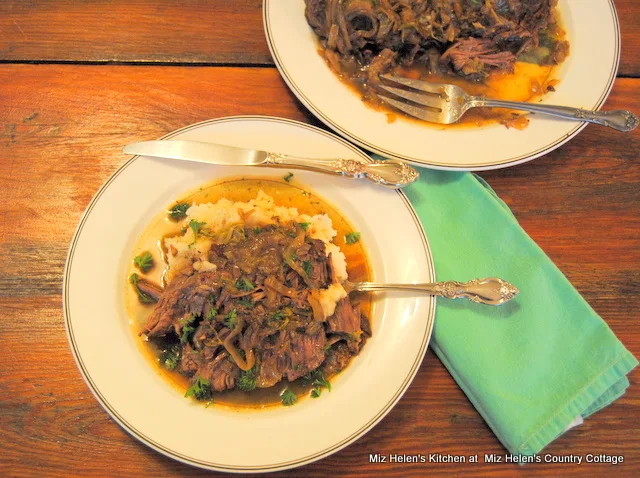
(80,79)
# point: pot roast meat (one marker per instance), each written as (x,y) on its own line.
(313,252)
(475,36)
(306,353)
(254,307)
(299,354)
(221,372)
(346,321)
(338,358)
(473,57)
(191,361)
(184,296)
(271,369)
(346,318)
(362,20)
(315,13)
(380,64)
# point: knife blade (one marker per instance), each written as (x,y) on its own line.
(390,173)
(198,151)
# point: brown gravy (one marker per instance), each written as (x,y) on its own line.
(240,189)
(527,83)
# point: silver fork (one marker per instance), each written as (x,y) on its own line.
(491,291)
(447,103)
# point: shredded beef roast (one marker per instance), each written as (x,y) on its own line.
(252,314)
(469,38)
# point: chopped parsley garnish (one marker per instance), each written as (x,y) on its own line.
(200,390)
(317,380)
(246,303)
(322,382)
(244,284)
(307,267)
(231,319)
(144,298)
(304,225)
(212,313)
(280,318)
(352,237)
(258,230)
(187,328)
(288,398)
(278,315)
(288,177)
(195,227)
(170,357)
(248,379)
(179,211)
(144,261)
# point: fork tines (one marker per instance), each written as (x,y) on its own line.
(434,88)
(431,96)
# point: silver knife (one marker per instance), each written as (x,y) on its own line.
(390,173)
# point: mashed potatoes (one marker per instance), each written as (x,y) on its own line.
(220,218)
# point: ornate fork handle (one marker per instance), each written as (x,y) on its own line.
(492,291)
(390,173)
(621,120)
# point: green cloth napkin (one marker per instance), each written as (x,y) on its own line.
(531,366)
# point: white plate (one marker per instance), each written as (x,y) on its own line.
(146,405)
(586,79)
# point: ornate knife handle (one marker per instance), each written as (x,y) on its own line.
(492,291)
(390,173)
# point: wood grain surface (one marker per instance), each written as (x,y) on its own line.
(61,130)
(162,31)
(166,31)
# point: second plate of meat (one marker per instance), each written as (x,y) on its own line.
(331,53)
(206,305)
